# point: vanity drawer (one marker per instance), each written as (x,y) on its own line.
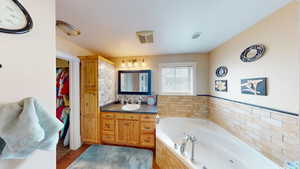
(108,138)
(108,115)
(147,127)
(147,140)
(108,125)
(132,116)
(127,116)
(108,132)
(148,117)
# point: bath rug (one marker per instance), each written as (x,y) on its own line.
(113,157)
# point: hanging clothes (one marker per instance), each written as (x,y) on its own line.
(62,102)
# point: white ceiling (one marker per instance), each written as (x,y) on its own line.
(108,26)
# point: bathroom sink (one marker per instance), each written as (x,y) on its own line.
(131,107)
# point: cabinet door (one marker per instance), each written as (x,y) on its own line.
(147,140)
(122,131)
(89,120)
(108,125)
(134,133)
(89,70)
(89,101)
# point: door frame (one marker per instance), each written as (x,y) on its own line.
(74,71)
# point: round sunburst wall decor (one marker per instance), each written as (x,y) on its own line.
(221,71)
(253,53)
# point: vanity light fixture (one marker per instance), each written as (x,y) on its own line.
(123,63)
(129,63)
(133,63)
(143,63)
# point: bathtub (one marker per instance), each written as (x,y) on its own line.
(215,147)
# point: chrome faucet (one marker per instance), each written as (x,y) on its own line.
(183,144)
(193,141)
(140,100)
(188,138)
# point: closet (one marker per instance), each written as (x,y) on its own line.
(97,88)
(63,105)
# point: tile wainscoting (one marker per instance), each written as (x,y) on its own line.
(274,134)
(182,106)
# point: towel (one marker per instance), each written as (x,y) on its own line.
(25,127)
(2,145)
(293,165)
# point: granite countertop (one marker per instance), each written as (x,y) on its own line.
(144,109)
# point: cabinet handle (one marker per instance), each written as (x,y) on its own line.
(147,128)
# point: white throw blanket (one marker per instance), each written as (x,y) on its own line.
(25,127)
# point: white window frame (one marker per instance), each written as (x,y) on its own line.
(179,64)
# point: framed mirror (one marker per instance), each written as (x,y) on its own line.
(137,82)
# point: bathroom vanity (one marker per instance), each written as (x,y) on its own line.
(131,128)
(117,124)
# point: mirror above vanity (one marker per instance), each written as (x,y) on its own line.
(134,82)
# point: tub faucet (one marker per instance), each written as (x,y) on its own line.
(183,144)
(186,140)
(193,141)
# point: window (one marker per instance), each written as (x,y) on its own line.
(177,79)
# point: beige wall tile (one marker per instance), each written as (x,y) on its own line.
(274,134)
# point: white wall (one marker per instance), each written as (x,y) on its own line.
(29,71)
(280,64)
(152,62)
(67,47)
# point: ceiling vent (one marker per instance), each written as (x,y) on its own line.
(145,36)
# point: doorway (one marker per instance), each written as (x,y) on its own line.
(73,139)
(63,109)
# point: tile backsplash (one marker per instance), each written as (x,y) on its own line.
(107,80)
(182,106)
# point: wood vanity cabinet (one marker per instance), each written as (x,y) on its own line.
(89,98)
(130,129)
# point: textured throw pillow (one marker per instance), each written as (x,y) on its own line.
(2,145)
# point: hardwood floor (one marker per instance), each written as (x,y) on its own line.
(66,160)
(61,150)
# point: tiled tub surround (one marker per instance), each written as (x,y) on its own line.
(274,134)
(182,106)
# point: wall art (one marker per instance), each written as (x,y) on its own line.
(254,86)
(253,53)
(221,71)
(221,85)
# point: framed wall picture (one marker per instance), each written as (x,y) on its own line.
(221,85)
(254,86)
